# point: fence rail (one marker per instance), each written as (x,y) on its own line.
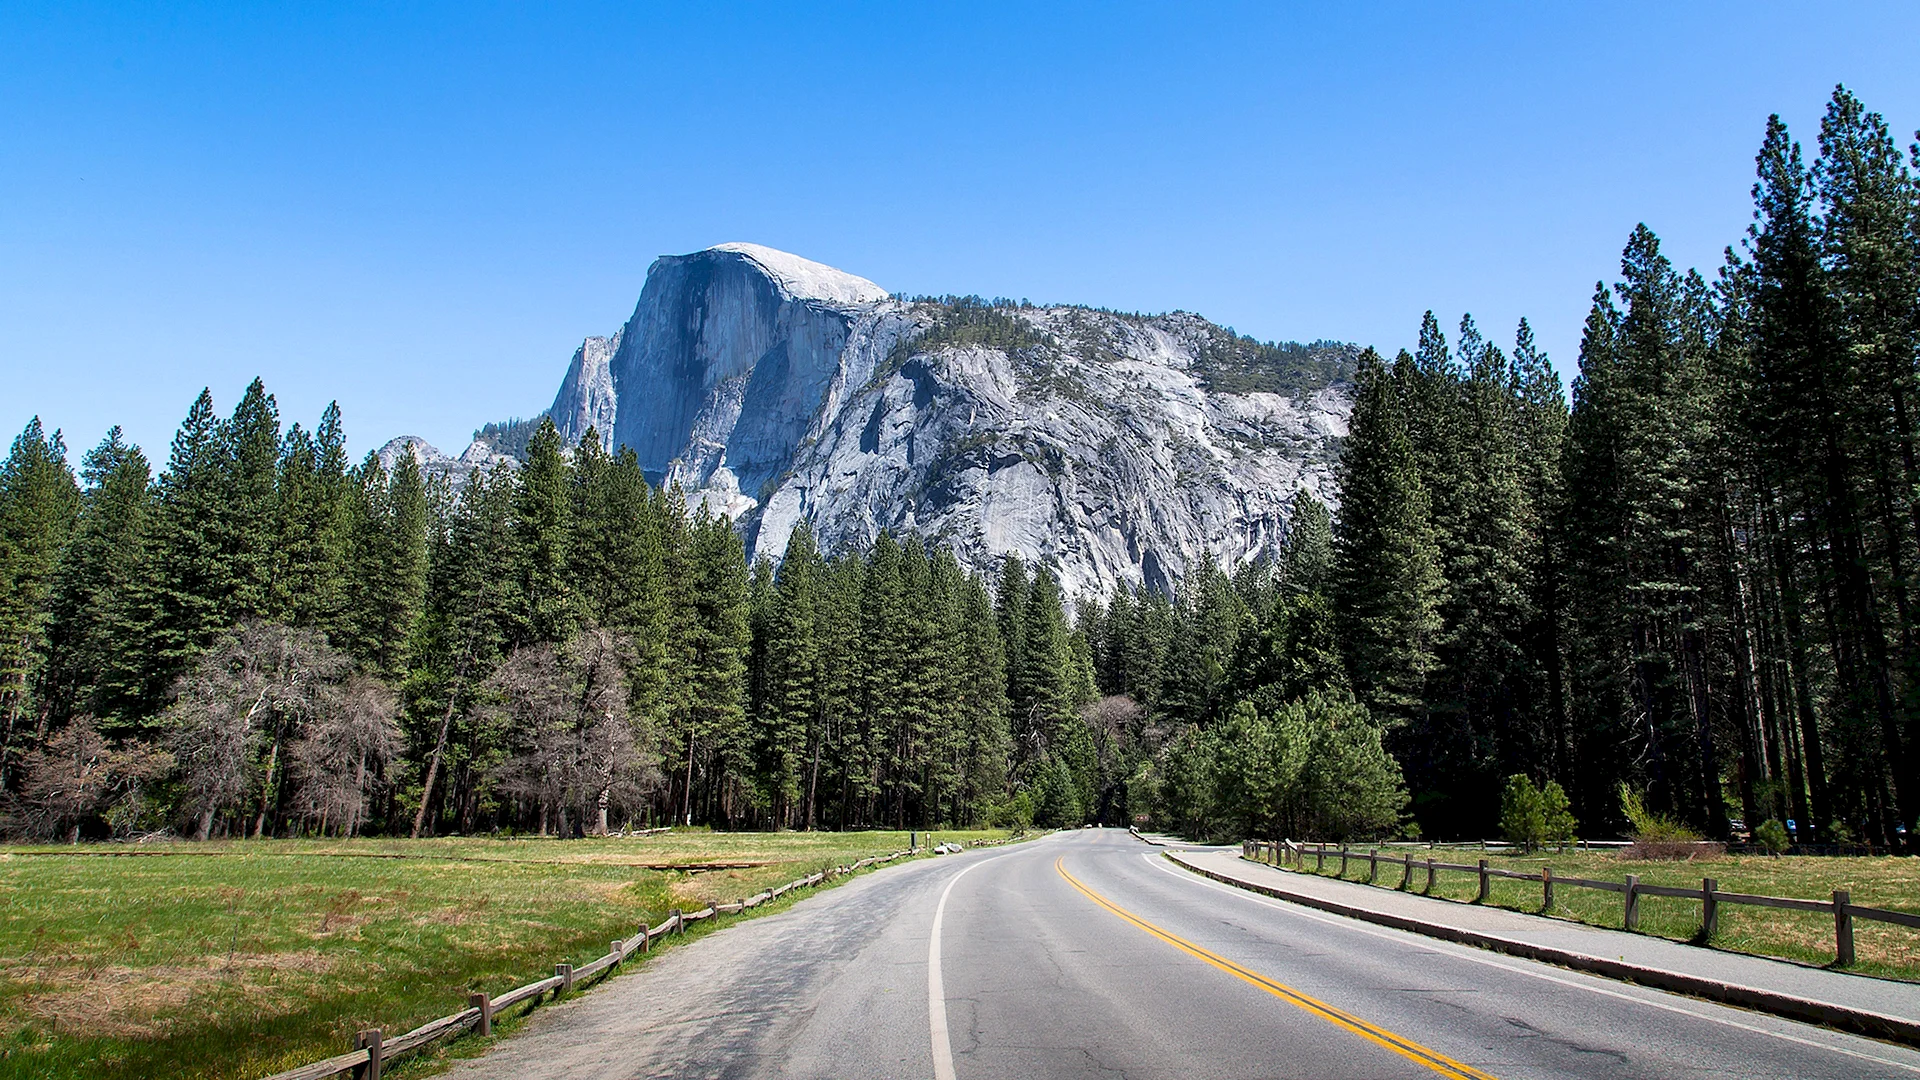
(372,1049)
(1841,907)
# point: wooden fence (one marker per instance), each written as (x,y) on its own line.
(372,1049)
(1709,895)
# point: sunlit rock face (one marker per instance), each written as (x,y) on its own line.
(1108,447)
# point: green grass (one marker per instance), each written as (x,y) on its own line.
(236,960)
(1881,949)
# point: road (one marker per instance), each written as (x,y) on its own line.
(1086,954)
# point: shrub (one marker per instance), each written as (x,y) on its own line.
(1771,836)
(1657,836)
(1533,817)
(1557,809)
(1522,815)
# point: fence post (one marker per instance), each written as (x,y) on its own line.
(1373,865)
(618,951)
(1343,860)
(645,941)
(1631,920)
(1429,875)
(1406,868)
(565,971)
(679,924)
(1320,858)
(1486,883)
(368,1040)
(1546,888)
(485,1005)
(1842,928)
(1709,907)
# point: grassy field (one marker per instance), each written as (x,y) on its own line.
(1881,949)
(235,960)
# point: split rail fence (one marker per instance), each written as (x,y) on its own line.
(1842,907)
(372,1048)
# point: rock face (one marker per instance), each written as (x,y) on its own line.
(587,399)
(1107,447)
(479,456)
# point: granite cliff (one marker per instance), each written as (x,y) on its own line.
(1110,447)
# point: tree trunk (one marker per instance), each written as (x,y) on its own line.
(205,827)
(433,767)
(266,789)
(687,805)
(813,783)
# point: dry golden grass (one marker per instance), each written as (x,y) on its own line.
(234,960)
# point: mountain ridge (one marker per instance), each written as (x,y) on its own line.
(1110,447)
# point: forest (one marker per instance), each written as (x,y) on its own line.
(1689,582)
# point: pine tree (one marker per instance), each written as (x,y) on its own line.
(310,548)
(718,639)
(1307,559)
(1479,695)
(1387,582)
(174,610)
(982,721)
(1809,416)
(39,501)
(387,565)
(845,772)
(543,511)
(790,719)
(244,529)
(1869,238)
(463,635)
(95,574)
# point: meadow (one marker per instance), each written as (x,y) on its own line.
(1881,949)
(236,960)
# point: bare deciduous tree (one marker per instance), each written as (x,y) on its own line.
(343,752)
(577,748)
(244,700)
(78,775)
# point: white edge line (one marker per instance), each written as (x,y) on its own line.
(936,989)
(1467,954)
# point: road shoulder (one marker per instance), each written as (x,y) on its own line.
(1873,1007)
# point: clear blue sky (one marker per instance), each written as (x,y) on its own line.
(420,209)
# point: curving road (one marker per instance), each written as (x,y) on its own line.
(1087,955)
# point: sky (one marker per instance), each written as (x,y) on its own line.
(419,210)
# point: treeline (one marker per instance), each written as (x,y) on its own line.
(265,640)
(1699,581)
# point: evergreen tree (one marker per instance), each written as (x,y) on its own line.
(244,528)
(790,725)
(387,565)
(38,503)
(543,524)
(463,637)
(174,609)
(95,575)
(1307,559)
(1387,582)
(718,640)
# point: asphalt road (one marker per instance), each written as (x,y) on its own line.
(1087,955)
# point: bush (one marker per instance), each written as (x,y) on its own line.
(1657,836)
(1771,836)
(1532,817)
(1523,818)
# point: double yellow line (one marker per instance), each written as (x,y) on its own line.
(1405,1047)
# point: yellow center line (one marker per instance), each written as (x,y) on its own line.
(1405,1047)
